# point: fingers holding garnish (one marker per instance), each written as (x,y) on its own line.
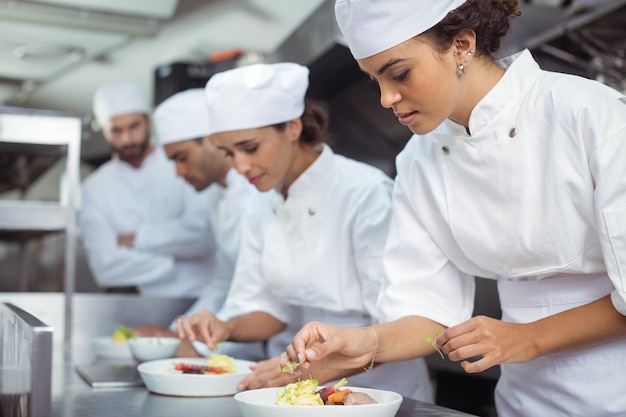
(291,367)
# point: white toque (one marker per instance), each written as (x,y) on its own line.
(373,26)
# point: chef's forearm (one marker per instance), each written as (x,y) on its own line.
(122,267)
(174,238)
(257,326)
(592,323)
(405,338)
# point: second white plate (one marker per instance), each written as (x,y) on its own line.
(160,377)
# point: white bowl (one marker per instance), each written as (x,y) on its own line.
(105,347)
(260,403)
(160,377)
(153,348)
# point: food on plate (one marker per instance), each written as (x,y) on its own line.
(218,360)
(358,398)
(299,393)
(188,368)
(306,392)
(216,364)
(122,334)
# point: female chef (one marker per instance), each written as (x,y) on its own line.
(515,174)
(312,249)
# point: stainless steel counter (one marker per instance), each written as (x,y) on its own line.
(97,315)
(72,397)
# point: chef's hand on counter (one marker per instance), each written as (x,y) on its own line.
(203,326)
(266,374)
(126,240)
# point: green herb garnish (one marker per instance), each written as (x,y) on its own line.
(291,366)
(432,342)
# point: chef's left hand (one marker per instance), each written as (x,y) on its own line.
(491,341)
(266,374)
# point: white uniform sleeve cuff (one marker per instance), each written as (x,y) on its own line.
(618,302)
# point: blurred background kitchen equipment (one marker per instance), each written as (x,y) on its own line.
(25,364)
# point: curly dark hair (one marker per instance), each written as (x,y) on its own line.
(315,121)
(490,19)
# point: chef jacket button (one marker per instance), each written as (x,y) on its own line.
(445,150)
(512,132)
(312,212)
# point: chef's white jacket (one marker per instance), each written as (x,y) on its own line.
(227,209)
(174,251)
(536,198)
(318,256)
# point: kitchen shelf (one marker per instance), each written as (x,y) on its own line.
(25,216)
(41,137)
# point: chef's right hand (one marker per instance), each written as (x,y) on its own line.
(320,345)
(203,326)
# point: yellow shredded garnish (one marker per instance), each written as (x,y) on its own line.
(218,360)
(299,393)
(122,334)
(341,383)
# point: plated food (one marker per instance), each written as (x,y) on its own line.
(307,392)
(262,403)
(114,346)
(216,364)
(162,377)
(122,334)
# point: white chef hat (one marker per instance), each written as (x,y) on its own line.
(373,26)
(118,98)
(256,95)
(183,116)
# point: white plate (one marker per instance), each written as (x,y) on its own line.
(105,347)
(160,377)
(260,403)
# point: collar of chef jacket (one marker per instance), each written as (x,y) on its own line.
(309,180)
(514,80)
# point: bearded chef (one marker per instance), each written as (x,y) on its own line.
(141,225)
